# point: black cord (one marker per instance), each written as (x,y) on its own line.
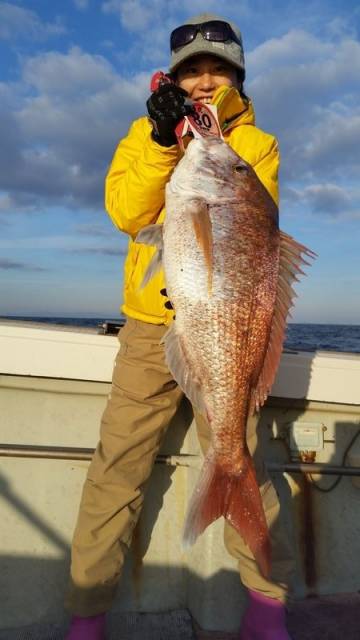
(339,478)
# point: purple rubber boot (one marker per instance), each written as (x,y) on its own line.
(264,619)
(91,628)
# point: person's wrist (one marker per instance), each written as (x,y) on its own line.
(163,140)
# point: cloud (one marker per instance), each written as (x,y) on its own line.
(58,135)
(73,243)
(12,265)
(150,41)
(294,47)
(291,76)
(97,230)
(5,202)
(306,90)
(17,22)
(148,44)
(133,15)
(104,251)
(326,198)
(107,44)
(334,142)
(58,75)
(81,4)
(60,124)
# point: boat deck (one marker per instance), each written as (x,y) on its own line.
(325,618)
(54,386)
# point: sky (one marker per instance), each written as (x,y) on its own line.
(74,74)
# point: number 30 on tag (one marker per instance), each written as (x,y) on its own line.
(203,122)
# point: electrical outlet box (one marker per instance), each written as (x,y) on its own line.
(306,436)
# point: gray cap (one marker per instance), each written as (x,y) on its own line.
(230,51)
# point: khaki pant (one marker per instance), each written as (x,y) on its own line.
(143,399)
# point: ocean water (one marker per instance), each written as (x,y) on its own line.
(299,337)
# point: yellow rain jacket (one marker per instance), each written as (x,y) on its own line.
(135,191)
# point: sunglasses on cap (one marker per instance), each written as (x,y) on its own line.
(214,30)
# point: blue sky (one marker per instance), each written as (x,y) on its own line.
(75,73)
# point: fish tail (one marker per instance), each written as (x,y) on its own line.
(237,498)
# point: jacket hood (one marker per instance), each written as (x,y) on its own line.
(232,109)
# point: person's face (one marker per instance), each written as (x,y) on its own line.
(201,75)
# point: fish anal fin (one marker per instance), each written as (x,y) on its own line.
(203,231)
(237,498)
(152,235)
(292,257)
(180,368)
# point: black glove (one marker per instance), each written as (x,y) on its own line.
(166,107)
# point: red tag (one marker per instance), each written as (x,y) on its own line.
(203,121)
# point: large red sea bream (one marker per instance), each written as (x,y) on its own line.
(228,271)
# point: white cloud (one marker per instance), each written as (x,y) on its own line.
(303,69)
(295,46)
(74,243)
(306,91)
(333,146)
(151,24)
(81,4)
(58,74)
(107,44)
(5,202)
(104,251)
(133,14)
(59,126)
(17,22)
(341,27)
(58,141)
(330,199)
(93,229)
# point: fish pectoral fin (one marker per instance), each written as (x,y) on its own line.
(292,257)
(202,224)
(154,266)
(180,368)
(152,235)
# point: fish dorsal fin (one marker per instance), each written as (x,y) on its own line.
(181,370)
(152,235)
(290,260)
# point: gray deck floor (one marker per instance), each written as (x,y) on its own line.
(326,618)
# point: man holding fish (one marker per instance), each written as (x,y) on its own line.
(228,273)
